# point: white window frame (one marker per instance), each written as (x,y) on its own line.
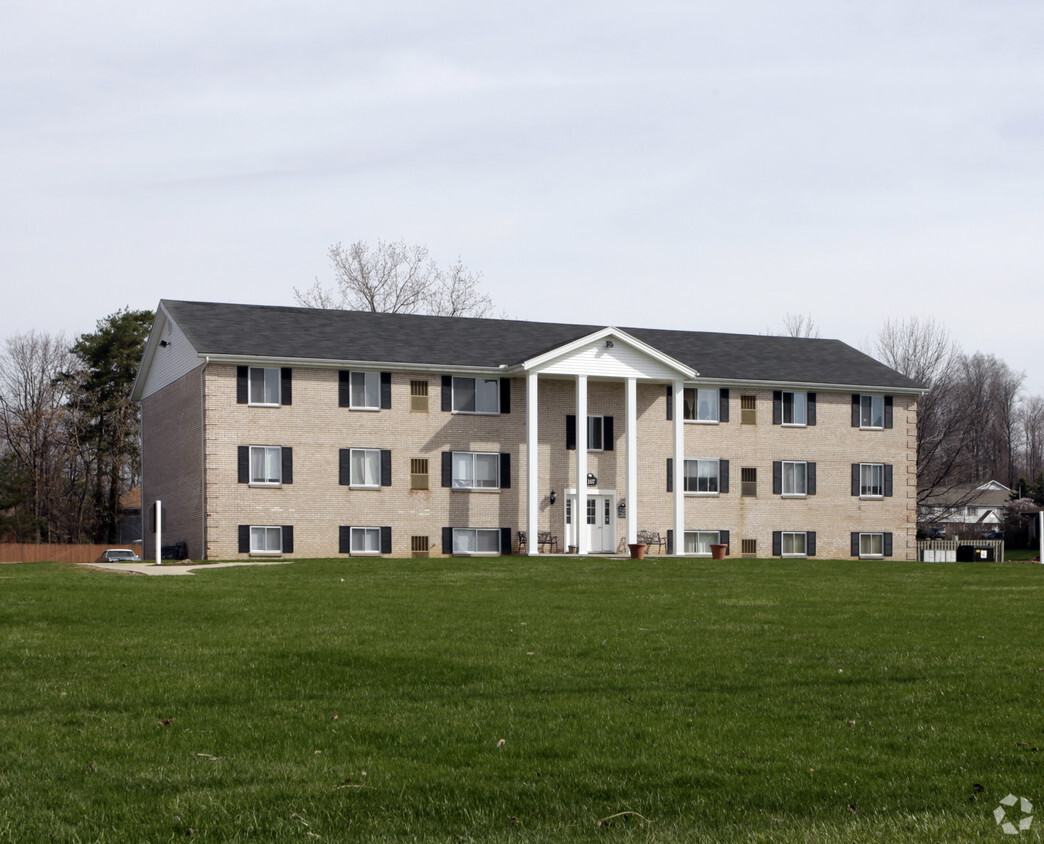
(268,452)
(468,481)
(364,533)
(798,409)
(867,539)
(713,537)
(371,383)
(714,406)
(792,493)
(368,454)
(266,533)
(868,469)
(714,479)
(490,393)
(792,536)
(868,403)
(459,535)
(271,382)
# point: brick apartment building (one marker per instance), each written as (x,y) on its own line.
(272,431)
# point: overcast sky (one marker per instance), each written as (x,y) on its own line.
(695,165)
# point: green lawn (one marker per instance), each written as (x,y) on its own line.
(522,700)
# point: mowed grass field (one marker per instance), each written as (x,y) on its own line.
(512,699)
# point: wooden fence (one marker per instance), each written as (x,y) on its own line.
(22,552)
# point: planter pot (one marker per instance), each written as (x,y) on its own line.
(638,550)
(573,549)
(718,552)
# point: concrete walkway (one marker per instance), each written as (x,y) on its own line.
(175,568)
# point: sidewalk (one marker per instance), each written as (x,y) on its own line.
(167,568)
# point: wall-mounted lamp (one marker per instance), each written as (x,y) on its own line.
(591,479)
(164,344)
(553,497)
(608,344)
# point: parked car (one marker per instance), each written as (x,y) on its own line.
(121,555)
(993,533)
(933,532)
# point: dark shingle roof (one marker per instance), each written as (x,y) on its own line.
(307,333)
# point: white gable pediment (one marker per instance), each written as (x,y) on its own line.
(610,353)
(168,356)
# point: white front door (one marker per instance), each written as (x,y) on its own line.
(597,523)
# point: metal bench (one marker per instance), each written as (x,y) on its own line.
(544,538)
(653,540)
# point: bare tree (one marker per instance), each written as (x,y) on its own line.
(1031,421)
(396,278)
(799,325)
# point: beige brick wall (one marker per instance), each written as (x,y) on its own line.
(172,460)
(316,428)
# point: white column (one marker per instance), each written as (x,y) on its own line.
(679,466)
(631,483)
(532,465)
(580,516)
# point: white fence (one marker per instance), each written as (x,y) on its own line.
(945,550)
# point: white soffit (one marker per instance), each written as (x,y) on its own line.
(610,353)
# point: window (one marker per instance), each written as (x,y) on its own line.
(701,476)
(264,385)
(795,477)
(365,467)
(701,404)
(795,544)
(266,465)
(418,473)
(871,545)
(476,470)
(749,481)
(418,396)
(871,412)
(266,540)
(476,540)
(476,395)
(595,432)
(699,542)
(365,391)
(748,410)
(366,540)
(871,480)
(794,408)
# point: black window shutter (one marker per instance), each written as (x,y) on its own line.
(385,391)
(607,433)
(244,539)
(777,477)
(811,410)
(888,545)
(242,390)
(723,538)
(810,478)
(447,468)
(856,479)
(447,393)
(286,393)
(344,539)
(447,540)
(505,540)
(505,395)
(386,467)
(288,539)
(287,455)
(855,544)
(571,431)
(723,476)
(670,474)
(670,402)
(777,543)
(244,464)
(344,466)
(777,407)
(855,410)
(810,543)
(723,405)
(386,546)
(670,541)
(888,411)
(344,388)
(505,470)
(888,480)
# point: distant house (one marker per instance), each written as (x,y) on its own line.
(130,516)
(966,509)
(272,431)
